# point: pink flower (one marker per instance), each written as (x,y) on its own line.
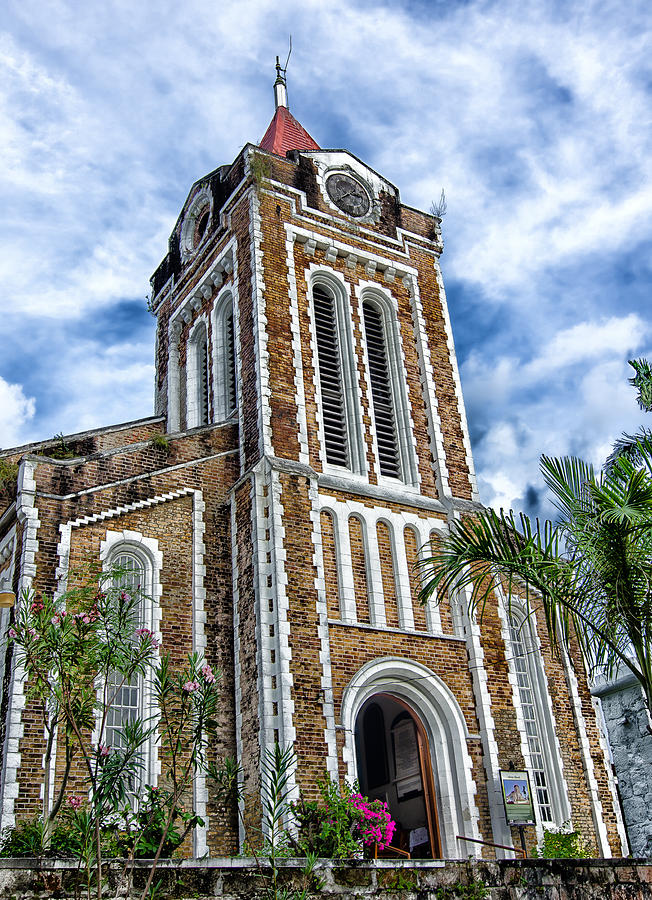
(103,750)
(36,606)
(86,620)
(191,686)
(13,633)
(207,672)
(74,801)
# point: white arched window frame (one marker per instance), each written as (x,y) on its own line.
(539,740)
(387,381)
(141,561)
(197,376)
(225,381)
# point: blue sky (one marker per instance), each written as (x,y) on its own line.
(535,118)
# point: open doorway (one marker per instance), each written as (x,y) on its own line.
(394,765)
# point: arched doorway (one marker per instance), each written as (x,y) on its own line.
(394,765)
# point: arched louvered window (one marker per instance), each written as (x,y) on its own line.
(202,379)
(231,392)
(331,383)
(226,385)
(381,391)
(197,377)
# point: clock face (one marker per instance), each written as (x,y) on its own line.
(348,194)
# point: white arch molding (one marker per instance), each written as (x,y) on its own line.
(443,720)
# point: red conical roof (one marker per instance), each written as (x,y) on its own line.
(285,133)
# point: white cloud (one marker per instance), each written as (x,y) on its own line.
(16,411)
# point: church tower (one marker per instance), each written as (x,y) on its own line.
(316,443)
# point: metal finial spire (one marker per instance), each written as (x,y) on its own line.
(280,87)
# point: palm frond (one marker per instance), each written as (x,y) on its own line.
(591,574)
(567,478)
(636,447)
(642,381)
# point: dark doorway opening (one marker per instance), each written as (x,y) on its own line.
(394,765)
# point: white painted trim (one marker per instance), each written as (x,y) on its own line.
(328,706)
(200,790)
(237,668)
(604,746)
(63,548)
(440,713)
(604,849)
(501,834)
(295,328)
(201,201)
(27,515)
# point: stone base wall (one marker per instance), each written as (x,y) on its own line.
(240,879)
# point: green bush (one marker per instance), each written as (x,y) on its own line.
(562,844)
(149,824)
(26,839)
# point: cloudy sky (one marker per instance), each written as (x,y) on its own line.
(534,116)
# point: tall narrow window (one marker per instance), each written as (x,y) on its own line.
(330,378)
(127,705)
(226,385)
(381,391)
(231,392)
(197,376)
(525,657)
(202,379)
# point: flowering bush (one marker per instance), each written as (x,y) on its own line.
(375,826)
(343,823)
(78,651)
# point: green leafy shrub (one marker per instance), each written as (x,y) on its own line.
(148,826)
(562,843)
(27,839)
(160,442)
(8,478)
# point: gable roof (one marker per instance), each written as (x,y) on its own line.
(285,133)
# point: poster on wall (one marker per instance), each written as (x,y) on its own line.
(517,797)
(406,756)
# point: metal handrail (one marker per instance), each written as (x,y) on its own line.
(463,837)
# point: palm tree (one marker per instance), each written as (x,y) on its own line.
(591,571)
(627,444)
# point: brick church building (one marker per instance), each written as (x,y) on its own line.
(315,441)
